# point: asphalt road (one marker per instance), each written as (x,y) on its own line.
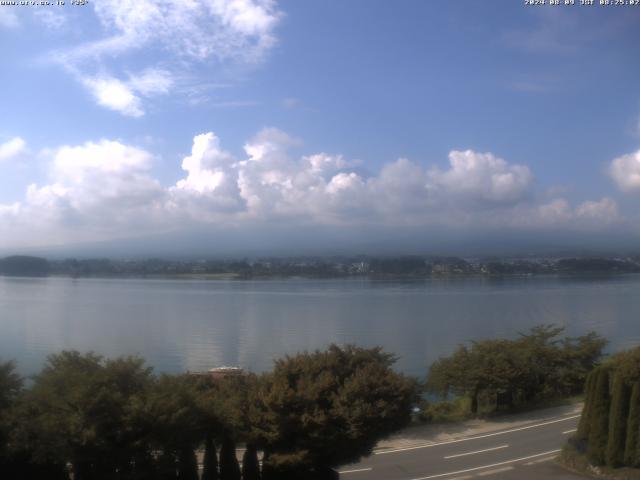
(522,453)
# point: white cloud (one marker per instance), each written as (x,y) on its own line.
(12,148)
(105,189)
(555,211)
(51,19)
(605,210)
(211,185)
(111,93)
(625,171)
(8,19)
(151,82)
(483,178)
(186,35)
(103,186)
(125,97)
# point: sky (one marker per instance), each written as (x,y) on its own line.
(223,126)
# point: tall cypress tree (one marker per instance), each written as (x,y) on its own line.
(267,468)
(618,418)
(187,464)
(250,464)
(599,418)
(229,467)
(633,428)
(210,461)
(166,466)
(589,392)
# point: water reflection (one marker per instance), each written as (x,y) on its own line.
(193,325)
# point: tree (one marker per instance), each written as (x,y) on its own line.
(187,464)
(504,373)
(250,464)
(78,412)
(229,467)
(585,419)
(455,375)
(323,409)
(599,417)
(618,418)
(210,460)
(176,422)
(632,443)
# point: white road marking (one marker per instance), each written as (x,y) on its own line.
(356,470)
(540,461)
(566,432)
(493,472)
(506,462)
(477,451)
(466,477)
(429,445)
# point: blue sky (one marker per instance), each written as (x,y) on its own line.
(140,118)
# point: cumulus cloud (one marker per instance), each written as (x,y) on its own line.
(102,186)
(12,148)
(107,189)
(210,187)
(125,97)
(483,178)
(605,210)
(590,214)
(625,172)
(193,33)
(111,93)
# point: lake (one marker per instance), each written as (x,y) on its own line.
(194,325)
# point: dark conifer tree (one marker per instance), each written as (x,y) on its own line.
(229,467)
(589,392)
(210,461)
(618,418)
(166,466)
(143,466)
(250,464)
(599,418)
(267,470)
(632,445)
(187,464)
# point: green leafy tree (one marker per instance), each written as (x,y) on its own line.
(78,412)
(323,409)
(505,373)
(176,423)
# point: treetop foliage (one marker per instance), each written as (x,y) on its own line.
(115,418)
(503,373)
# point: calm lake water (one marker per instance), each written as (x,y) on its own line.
(193,325)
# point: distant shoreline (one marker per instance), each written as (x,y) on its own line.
(409,267)
(240,278)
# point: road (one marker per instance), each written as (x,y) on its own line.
(522,453)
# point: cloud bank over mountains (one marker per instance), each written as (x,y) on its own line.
(107,190)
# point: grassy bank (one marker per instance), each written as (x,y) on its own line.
(575,461)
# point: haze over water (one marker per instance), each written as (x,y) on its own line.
(180,325)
